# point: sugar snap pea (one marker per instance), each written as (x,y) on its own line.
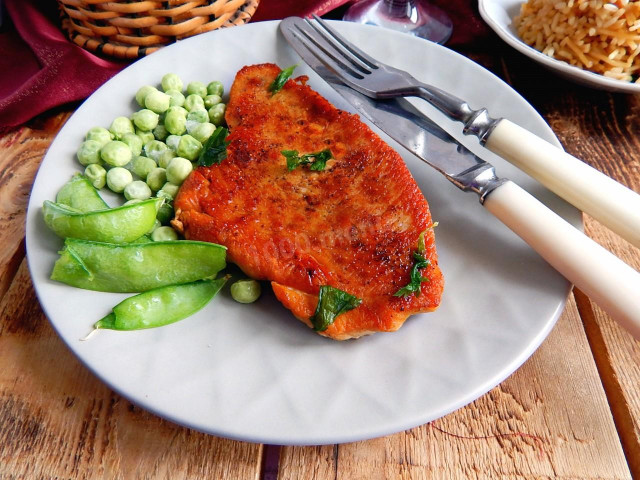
(136,267)
(161,306)
(80,194)
(116,225)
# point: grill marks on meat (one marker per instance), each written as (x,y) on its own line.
(353,226)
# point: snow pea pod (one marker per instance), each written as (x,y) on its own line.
(136,267)
(161,306)
(115,225)
(80,194)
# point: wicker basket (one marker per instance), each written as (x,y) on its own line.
(133,29)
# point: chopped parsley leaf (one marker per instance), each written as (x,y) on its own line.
(416,277)
(331,303)
(317,161)
(215,148)
(281,79)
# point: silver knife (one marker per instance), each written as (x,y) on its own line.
(607,280)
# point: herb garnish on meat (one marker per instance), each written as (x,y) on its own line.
(331,303)
(281,79)
(215,148)
(416,277)
(317,160)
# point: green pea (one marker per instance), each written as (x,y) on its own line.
(177,98)
(211,100)
(164,234)
(215,88)
(114,225)
(157,101)
(194,102)
(120,126)
(164,195)
(156,179)
(145,136)
(138,190)
(118,178)
(245,291)
(134,142)
(145,120)
(197,116)
(80,194)
(99,134)
(165,157)
(216,114)
(142,93)
(89,152)
(161,306)
(171,81)
(141,166)
(197,88)
(116,153)
(169,191)
(154,148)
(178,170)
(160,133)
(136,267)
(189,147)
(96,174)
(133,201)
(172,142)
(183,111)
(175,123)
(165,212)
(202,131)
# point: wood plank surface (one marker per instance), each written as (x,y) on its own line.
(58,421)
(617,353)
(551,419)
(22,151)
(604,131)
(548,420)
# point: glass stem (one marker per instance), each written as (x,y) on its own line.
(399,8)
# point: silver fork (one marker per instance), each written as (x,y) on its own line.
(611,203)
(377,80)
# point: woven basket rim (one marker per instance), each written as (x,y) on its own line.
(135,29)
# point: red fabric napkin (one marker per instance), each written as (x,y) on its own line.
(42,69)
(279,9)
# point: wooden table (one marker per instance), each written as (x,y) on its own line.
(571,411)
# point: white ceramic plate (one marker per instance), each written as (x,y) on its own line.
(257,374)
(499,15)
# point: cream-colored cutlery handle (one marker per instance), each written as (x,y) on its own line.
(609,202)
(608,281)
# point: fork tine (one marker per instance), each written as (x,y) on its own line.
(339,48)
(363,57)
(320,51)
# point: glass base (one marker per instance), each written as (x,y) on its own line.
(415,17)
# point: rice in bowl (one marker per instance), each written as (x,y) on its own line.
(603,37)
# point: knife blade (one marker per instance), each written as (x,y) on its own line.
(602,276)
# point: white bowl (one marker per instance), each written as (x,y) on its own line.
(499,16)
